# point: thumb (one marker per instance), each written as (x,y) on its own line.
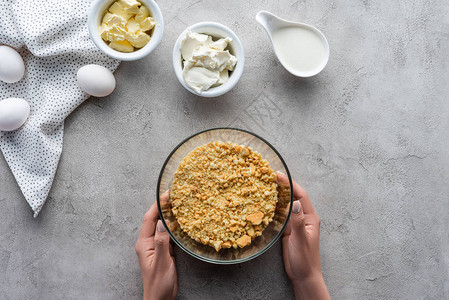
(161,246)
(297,219)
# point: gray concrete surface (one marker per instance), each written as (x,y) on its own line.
(367,138)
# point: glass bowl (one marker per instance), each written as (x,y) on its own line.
(260,244)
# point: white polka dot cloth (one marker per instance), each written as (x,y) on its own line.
(53,39)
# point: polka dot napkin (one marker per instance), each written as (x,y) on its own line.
(53,39)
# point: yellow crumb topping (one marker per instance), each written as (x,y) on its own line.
(224,195)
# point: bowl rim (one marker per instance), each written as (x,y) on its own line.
(94,12)
(235,261)
(236,74)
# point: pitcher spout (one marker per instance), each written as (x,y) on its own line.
(267,20)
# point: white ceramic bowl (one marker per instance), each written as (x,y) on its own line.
(98,10)
(217,31)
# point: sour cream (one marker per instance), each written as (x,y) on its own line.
(206,62)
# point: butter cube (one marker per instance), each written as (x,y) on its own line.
(118,9)
(124,25)
(123,46)
(133,10)
(139,39)
(111,19)
(132,26)
(103,28)
(147,24)
(114,33)
(130,6)
(142,14)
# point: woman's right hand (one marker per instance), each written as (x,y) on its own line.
(301,248)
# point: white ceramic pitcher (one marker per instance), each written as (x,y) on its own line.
(302,49)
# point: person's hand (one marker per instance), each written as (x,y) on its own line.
(301,248)
(155,253)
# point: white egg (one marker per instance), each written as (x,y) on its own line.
(96,80)
(13,113)
(12,67)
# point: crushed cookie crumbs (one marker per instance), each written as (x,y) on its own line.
(224,195)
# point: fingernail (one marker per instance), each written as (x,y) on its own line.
(160,226)
(167,191)
(296,207)
(280,173)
